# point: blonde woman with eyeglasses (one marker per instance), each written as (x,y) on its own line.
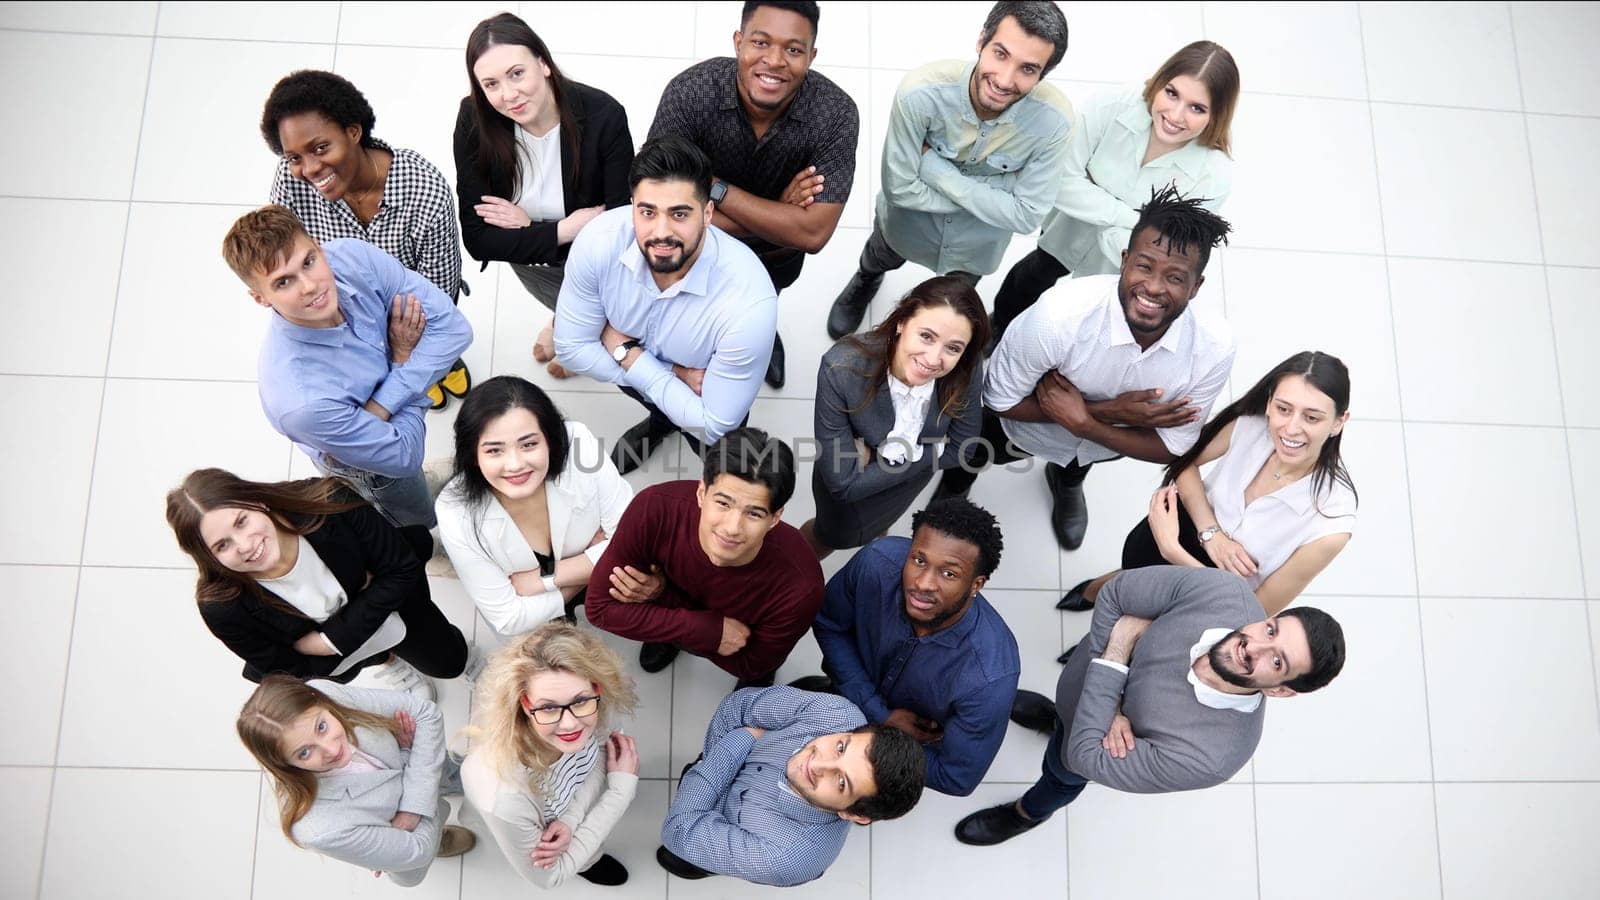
(545,772)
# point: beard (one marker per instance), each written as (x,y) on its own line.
(672,263)
(1222,662)
(934,623)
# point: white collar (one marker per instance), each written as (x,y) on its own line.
(899,388)
(1205,693)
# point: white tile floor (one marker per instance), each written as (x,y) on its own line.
(1410,195)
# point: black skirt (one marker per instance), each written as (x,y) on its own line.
(842,525)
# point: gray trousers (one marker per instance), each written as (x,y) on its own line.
(877,257)
(543,282)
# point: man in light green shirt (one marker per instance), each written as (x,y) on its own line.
(974,154)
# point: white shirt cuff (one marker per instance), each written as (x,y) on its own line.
(1114,665)
(336,651)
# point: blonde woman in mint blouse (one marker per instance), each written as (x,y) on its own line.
(1127,143)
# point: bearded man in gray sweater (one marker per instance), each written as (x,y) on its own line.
(1166,691)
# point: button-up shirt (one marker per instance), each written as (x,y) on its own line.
(1106,180)
(818,129)
(963,677)
(1276,524)
(735,812)
(314,382)
(720,317)
(1079,329)
(910,412)
(416,220)
(955,206)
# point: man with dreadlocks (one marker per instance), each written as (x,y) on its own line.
(1108,365)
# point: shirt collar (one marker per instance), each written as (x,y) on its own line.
(1191,157)
(900,389)
(1208,695)
(696,282)
(1118,333)
(326,337)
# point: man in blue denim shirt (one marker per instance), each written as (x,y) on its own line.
(782,776)
(356,341)
(906,636)
(975,153)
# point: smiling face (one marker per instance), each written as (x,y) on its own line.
(833,772)
(246,541)
(513,455)
(1300,419)
(315,742)
(1181,110)
(1262,656)
(300,287)
(516,82)
(774,52)
(570,732)
(939,579)
(735,516)
(322,154)
(1009,65)
(1156,286)
(669,222)
(929,344)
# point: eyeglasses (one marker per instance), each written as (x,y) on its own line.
(581,708)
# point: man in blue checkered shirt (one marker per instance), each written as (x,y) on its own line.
(783,774)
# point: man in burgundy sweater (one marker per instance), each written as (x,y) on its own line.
(709,566)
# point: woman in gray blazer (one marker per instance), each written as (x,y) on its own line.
(895,405)
(533,504)
(356,772)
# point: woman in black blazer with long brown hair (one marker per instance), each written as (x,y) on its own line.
(538,156)
(304,578)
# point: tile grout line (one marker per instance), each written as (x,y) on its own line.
(72,624)
(1555,352)
(1405,455)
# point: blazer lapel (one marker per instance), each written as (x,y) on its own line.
(559,501)
(569,162)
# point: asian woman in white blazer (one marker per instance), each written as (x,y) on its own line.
(357,773)
(533,503)
(1126,143)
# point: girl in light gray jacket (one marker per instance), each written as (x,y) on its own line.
(357,773)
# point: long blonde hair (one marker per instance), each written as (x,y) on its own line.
(273,707)
(503,732)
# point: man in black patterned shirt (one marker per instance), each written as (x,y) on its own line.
(782,140)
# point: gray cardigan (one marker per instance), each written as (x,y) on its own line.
(349,820)
(842,382)
(1179,743)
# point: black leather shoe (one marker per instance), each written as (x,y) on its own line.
(991,826)
(1074,600)
(1069,511)
(1066,655)
(946,489)
(605,871)
(775,365)
(1031,709)
(654,657)
(679,866)
(762,681)
(635,446)
(850,307)
(820,684)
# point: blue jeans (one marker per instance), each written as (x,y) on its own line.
(1057,785)
(403,501)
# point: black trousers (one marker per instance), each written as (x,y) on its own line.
(433,645)
(993,448)
(1140,550)
(1028,279)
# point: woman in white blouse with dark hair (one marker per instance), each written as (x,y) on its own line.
(1126,143)
(1277,506)
(533,503)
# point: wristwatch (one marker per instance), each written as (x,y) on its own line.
(1209,533)
(621,352)
(719,189)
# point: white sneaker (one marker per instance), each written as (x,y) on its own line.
(399,675)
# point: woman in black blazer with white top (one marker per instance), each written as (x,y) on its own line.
(537,158)
(303,578)
(894,406)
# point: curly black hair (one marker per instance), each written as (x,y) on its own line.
(311,90)
(964,520)
(1182,223)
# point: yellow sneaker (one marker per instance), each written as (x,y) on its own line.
(458,380)
(436,396)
